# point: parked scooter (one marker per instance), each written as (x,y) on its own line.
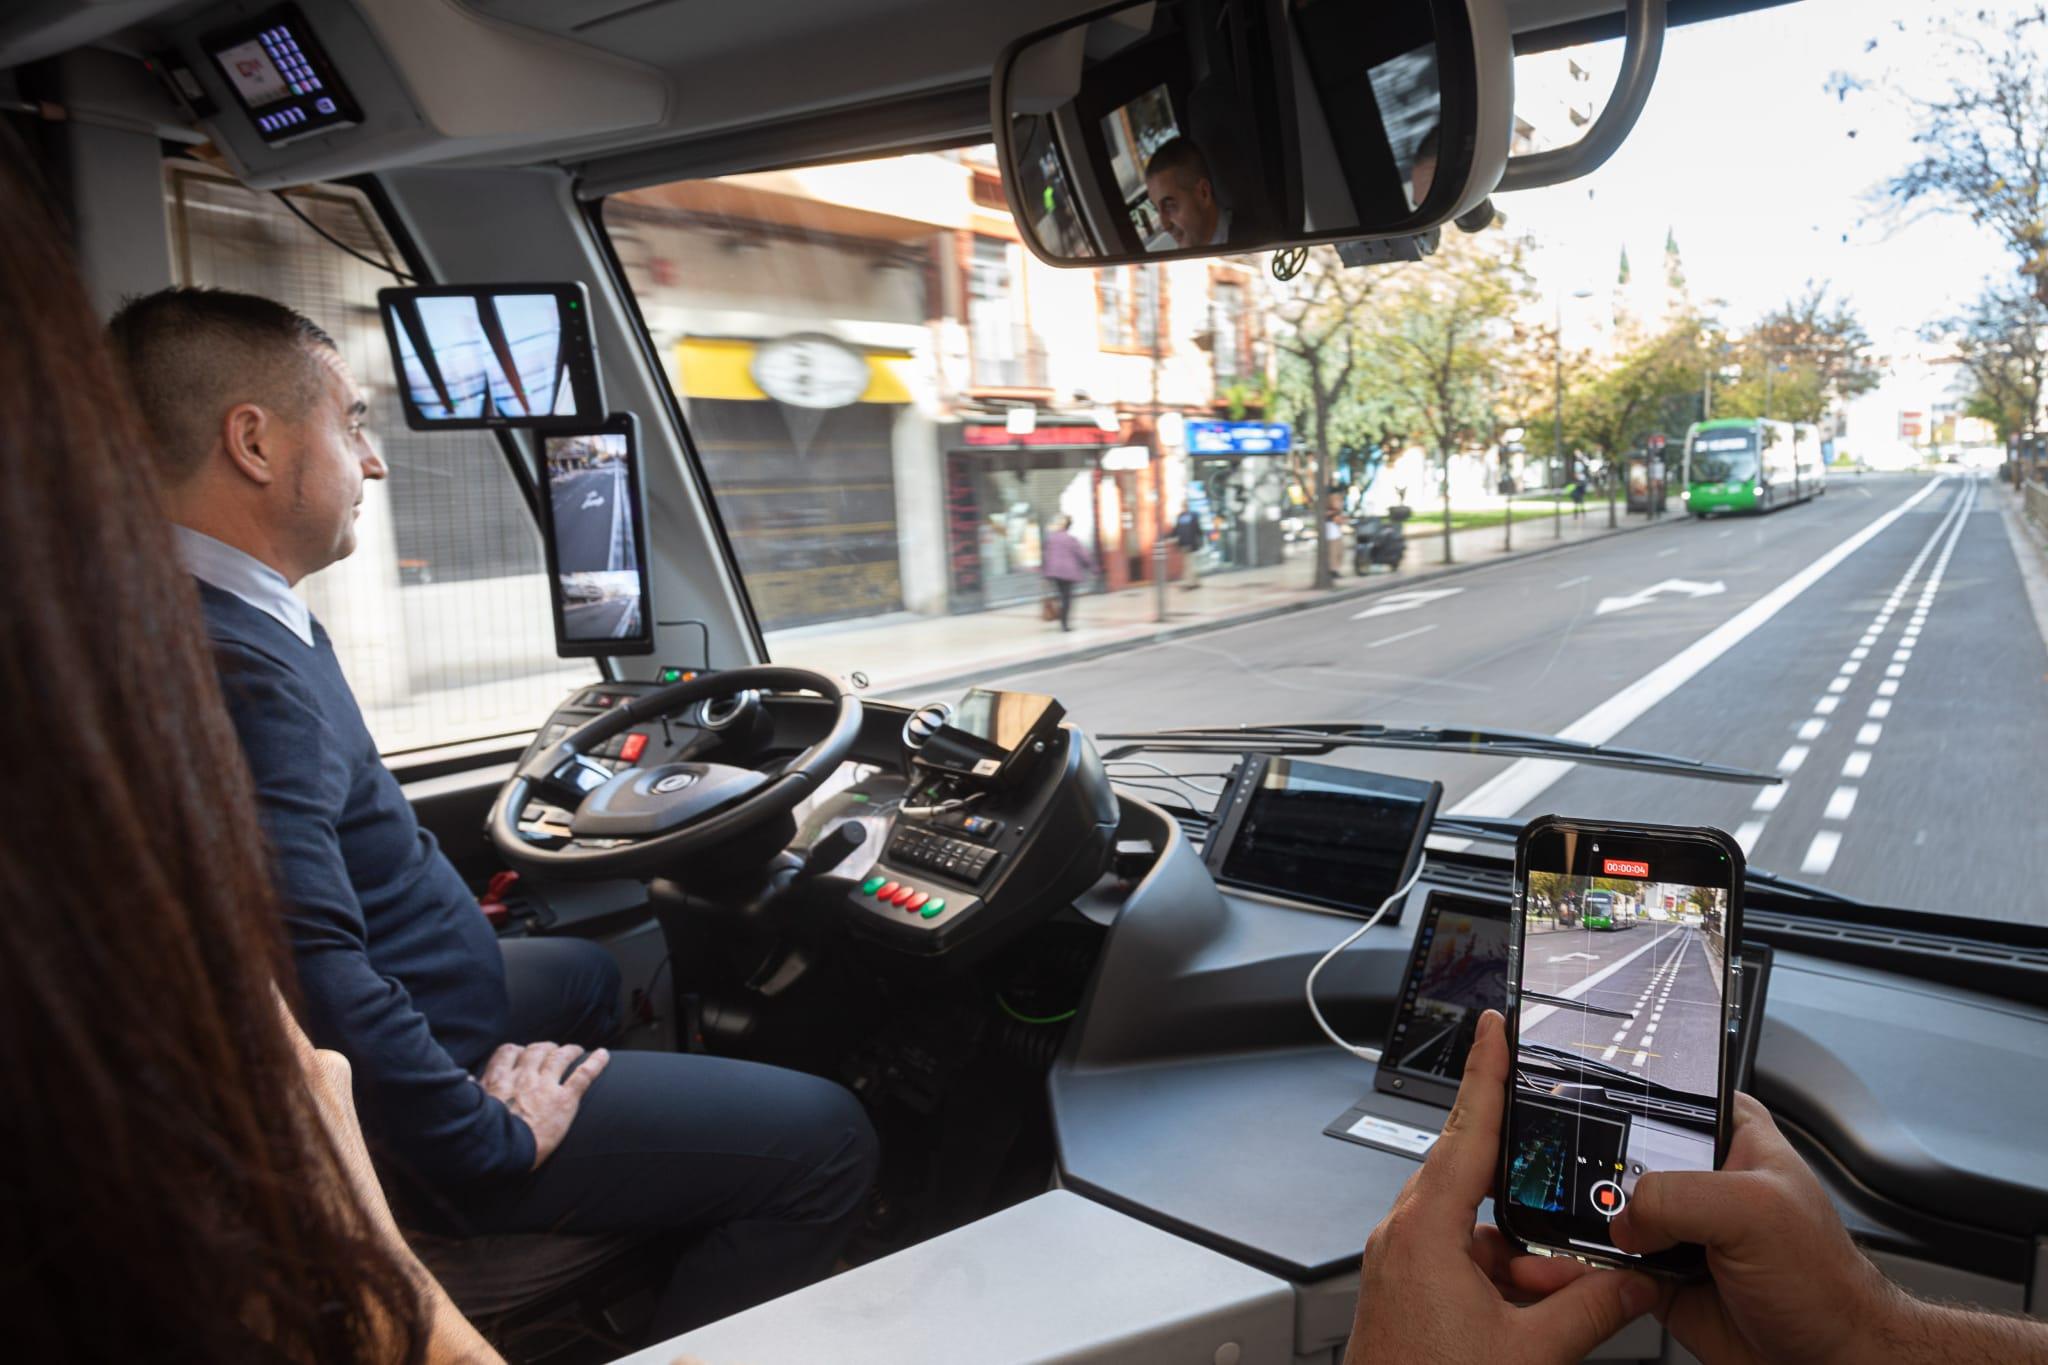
(1380,540)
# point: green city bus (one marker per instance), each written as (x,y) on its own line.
(1750,464)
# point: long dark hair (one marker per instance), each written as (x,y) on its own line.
(167,1190)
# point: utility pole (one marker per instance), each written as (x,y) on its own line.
(1557,418)
(1158,452)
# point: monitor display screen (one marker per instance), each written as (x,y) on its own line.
(1457,971)
(1332,836)
(596,551)
(492,356)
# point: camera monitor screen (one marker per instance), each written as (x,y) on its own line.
(596,540)
(1622,1033)
(492,356)
(1457,970)
(1323,834)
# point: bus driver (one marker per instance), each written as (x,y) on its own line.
(465,1050)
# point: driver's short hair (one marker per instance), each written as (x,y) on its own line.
(1179,154)
(191,354)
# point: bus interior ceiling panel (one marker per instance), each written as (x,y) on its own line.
(459,219)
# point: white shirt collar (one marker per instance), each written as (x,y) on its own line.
(240,574)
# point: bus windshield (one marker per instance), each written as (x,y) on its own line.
(1723,457)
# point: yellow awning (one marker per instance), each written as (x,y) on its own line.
(718,367)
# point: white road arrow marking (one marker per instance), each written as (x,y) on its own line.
(1590,957)
(1637,599)
(1404,601)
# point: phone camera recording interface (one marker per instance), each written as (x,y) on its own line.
(1621,1027)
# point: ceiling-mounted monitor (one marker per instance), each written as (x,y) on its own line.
(493,355)
(282,77)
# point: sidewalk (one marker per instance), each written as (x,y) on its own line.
(902,650)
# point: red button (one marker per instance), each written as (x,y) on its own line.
(903,893)
(887,890)
(917,902)
(635,745)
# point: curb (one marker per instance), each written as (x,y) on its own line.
(1166,633)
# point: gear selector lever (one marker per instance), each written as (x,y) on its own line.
(831,850)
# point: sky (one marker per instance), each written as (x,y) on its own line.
(1745,154)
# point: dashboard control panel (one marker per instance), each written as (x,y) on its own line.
(644,745)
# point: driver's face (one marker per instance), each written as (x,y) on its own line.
(1186,204)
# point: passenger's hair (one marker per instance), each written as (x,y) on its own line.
(167,1189)
(1179,154)
(191,354)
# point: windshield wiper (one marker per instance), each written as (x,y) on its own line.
(1564,1003)
(1324,737)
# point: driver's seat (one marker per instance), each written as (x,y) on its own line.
(507,1283)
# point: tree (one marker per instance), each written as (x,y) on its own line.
(1983,139)
(1320,317)
(1801,359)
(1651,386)
(2001,348)
(1445,331)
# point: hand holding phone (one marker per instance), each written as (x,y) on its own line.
(1622,998)
(1435,1287)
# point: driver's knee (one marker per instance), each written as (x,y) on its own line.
(838,1153)
(561,990)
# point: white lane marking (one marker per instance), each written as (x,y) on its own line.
(1859,653)
(1647,1031)
(1850,669)
(1826,705)
(1895,670)
(1404,635)
(1641,1057)
(1767,798)
(1857,764)
(1888,688)
(1820,854)
(1528,778)
(1666,554)
(1404,601)
(1879,710)
(1811,728)
(1620,1034)
(1840,803)
(1658,1017)
(1531,1018)
(1608,1055)
(1869,734)
(1574,582)
(1792,758)
(1746,835)
(1901,655)
(1838,685)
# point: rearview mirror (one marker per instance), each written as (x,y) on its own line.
(1204,127)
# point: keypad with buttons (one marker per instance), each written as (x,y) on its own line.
(959,859)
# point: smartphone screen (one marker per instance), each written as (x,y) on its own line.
(1620,1015)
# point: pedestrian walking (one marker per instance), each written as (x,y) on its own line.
(1187,533)
(1333,539)
(1579,495)
(1067,565)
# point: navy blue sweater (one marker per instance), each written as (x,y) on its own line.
(399,970)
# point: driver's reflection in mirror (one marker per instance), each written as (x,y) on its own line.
(1178,182)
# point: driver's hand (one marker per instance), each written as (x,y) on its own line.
(1787,1284)
(1434,1287)
(536,1084)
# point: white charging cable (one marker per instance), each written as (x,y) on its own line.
(1364,1054)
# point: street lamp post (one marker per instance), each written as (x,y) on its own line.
(1557,418)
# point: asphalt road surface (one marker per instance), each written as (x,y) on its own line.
(1651,996)
(588,505)
(609,618)
(1875,648)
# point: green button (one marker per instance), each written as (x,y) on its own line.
(871,885)
(932,908)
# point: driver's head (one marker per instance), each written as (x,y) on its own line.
(259,424)
(1177,181)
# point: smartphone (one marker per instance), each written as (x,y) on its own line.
(1624,975)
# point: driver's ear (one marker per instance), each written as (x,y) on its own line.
(250,437)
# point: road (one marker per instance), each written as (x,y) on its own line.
(1876,648)
(609,618)
(589,520)
(1652,997)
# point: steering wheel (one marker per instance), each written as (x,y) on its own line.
(644,820)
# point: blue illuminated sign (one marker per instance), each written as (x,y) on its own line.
(1239,438)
